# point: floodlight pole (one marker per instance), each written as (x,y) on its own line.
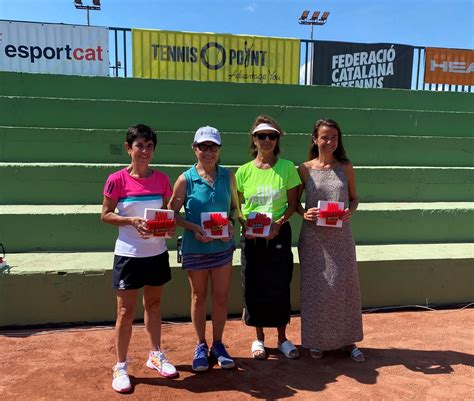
(314,20)
(80,6)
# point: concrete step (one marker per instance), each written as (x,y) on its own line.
(21,84)
(76,287)
(36,144)
(76,228)
(117,114)
(75,183)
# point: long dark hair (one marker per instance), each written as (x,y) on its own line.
(339,153)
(264,119)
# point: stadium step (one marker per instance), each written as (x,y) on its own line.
(44,228)
(117,114)
(39,144)
(76,287)
(20,84)
(72,183)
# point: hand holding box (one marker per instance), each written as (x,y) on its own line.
(159,222)
(330,214)
(258,224)
(216,224)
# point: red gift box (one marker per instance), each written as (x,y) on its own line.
(160,225)
(332,213)
(258,223)
(216,224)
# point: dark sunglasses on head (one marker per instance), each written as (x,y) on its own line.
(262,137)
(203,147)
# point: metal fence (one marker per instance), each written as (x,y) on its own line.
(121,64)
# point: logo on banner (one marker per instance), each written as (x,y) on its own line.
(212,55)
(456,67)
(50,53)
(363,69)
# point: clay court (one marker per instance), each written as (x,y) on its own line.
(415,355)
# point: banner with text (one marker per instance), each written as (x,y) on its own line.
(361,65)
(449,66)
(54,48)
(214,57)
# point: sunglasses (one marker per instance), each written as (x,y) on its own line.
(262,137)
(203,147)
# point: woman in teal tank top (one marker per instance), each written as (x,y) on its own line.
(207,187)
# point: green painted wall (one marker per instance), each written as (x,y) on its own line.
(81,292)
(19,84)
(83,183)
(185,116)
(78,228)
(18,144)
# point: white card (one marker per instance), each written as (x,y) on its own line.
(259,226)
(329,221)
(216,226)
(159,223)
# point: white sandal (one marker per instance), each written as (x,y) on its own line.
(258,346)
(288,349)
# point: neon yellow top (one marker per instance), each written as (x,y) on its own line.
(265,190)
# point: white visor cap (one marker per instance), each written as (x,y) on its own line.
(265,127)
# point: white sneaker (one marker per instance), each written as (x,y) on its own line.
(121,381)
(157,360)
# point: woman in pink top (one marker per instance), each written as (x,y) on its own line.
(141,260)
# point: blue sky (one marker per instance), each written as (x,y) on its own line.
(440,23)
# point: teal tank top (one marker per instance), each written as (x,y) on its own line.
(203,197)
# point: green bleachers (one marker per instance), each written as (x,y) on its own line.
(40,144)
(75,183)
(115,114)
(60,137)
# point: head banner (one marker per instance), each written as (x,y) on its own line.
(449,66)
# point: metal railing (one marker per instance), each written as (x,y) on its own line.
(122,64)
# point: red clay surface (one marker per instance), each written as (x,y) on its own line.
(410,356)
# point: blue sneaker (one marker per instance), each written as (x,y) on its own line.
(219,352)
(200,362)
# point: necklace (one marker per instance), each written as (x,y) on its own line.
(209,177)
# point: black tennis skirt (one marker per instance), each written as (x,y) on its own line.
(267,269)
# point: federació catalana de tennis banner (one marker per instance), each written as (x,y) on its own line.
(363,65)
(215,57)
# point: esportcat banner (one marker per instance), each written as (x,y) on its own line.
(54,48)
(362,65)
(215,57)
(449,66)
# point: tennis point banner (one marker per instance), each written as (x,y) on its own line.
(449,66)
(54,48)
(363,65)
(215,57)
